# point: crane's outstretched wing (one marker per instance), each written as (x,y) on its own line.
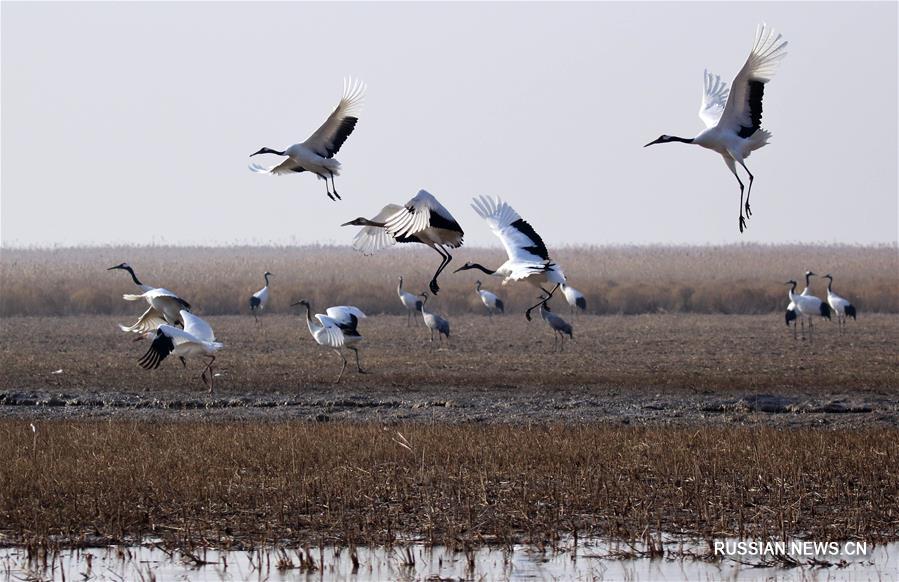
(288,166)
(158,294)
(421,212)
(743,111)
(371,239)
(521,241)
(328,138)
(163,345)
(343,313)
(331,330)
(150,320)
(197,327)
(714,98)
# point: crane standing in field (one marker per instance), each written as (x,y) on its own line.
(560,327)
(409,301)
(806,306)
(490,300)
(840,306)
(196,339)
(433,321)
(528,258)
(733,118)
(421,220)
(259,299)
(165,306)
(336,330)
(576,300)
(316,154)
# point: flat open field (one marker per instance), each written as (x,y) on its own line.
(661,369)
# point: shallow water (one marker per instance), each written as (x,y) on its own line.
(591,560)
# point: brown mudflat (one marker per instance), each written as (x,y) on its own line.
(658,369)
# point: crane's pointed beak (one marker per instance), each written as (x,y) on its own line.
(462,268)
(350,223)
(655,141)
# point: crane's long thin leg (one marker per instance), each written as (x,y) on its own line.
(527,314)
(342,357)
(561,342)
(749,190)
(208,368)
(333,185)
(445,259)
(358,365)
(730,165)
(327,190)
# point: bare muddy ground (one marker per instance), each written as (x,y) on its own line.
(650,369)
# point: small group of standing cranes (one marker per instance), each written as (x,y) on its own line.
(805,306)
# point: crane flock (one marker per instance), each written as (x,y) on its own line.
(732,117)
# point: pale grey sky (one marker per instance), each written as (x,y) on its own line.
(132,123)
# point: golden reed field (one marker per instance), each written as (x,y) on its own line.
(744,279)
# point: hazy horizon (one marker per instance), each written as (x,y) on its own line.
(134,127)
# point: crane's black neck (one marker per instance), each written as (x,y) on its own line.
(133,276)
(477,285)
(807,279)
(271,151)
(830,284)
(680,139)
(792,286)
(266,279)
(482,268)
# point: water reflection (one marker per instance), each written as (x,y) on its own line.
(590,560)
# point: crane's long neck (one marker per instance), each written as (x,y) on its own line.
(792,290)
(266,279)
(399,287)
(134,277)
(483,268)
(310,323)
(477,286)
(830,285)
(807,279)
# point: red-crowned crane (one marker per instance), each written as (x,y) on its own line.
(840,306)
(259,299)
(733,118)
(196,339)
(528,258)
(421,220)
(316,154)
(336,330)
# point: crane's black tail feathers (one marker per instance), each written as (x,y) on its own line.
(789,316)
(254,303)
(581,302)
(499,306)
(825,310)
(850,311)
(418,306)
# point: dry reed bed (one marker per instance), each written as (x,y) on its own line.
(628,280)
(222,483)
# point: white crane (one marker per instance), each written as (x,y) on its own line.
(840,306)
(421,220)
(411,302)
(336,330)
(806,307)
(196,339)
(165,306)
(434,321)
(528,258)
(490,300)
(560,327)
(733,118)
(576,300)
(316,154)
(259,299)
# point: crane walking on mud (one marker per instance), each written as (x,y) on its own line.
(336,330)
(259,299)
